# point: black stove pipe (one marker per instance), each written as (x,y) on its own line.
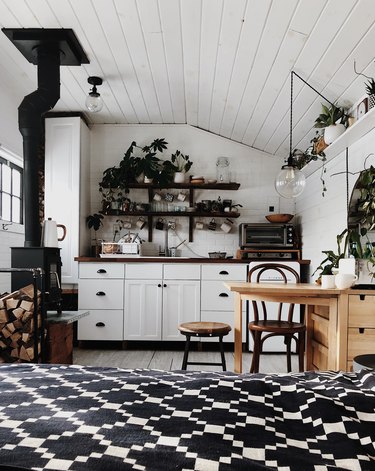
(30,114)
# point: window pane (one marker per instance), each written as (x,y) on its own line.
(16,210)
(6,179)
(5,199)
(16,189)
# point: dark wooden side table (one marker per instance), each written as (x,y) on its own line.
(59,343)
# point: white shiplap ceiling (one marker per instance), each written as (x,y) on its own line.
(221,65)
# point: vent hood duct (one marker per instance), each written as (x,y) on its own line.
(48,49)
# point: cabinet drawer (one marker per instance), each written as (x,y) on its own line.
(182,271)
(101,270)
(216,297)
(144,271)
(360,342)
(361,311)
(101,325)
(225,272)
(101,294)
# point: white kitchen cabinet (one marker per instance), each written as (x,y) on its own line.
(143,310)
(158,298)
(66,192)
(217,303)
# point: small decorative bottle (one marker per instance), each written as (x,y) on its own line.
(222,170)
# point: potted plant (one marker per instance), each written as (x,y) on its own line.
(370,90)
(328,120)
(179,165)
(330,264)
(95,221)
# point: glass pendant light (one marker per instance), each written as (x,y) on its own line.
(94,102)
(290,182)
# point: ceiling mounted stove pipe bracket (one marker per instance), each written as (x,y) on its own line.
(48,48)
(30,112)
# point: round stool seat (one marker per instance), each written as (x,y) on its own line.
(366,362)
(211,329)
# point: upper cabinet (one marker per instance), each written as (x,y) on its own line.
(67,147)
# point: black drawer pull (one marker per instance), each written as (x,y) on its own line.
(100,293)
(361,330)
(101,270)
(223,272)
(224,295)
(159,285)
(100,324)
(165,285)
(362,297)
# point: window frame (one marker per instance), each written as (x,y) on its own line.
(17,168)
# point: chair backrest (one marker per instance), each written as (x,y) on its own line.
(257,271)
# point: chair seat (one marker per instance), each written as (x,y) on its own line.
(205,328)
(282,327)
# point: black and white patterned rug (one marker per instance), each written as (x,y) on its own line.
(108,419)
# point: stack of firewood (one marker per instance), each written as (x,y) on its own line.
(17,336)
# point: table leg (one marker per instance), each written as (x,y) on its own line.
(309,337)
(237,333)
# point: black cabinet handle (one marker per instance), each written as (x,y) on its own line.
(224,295)
(100,293)
(159,285)
(223,272)
(101,270)
(100,324)
(361,330)
(165,285)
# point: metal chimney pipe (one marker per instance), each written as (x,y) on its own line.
(30,114)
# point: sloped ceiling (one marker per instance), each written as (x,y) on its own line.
(220,65)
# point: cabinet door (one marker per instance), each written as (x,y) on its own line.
(181,303)
(142,314)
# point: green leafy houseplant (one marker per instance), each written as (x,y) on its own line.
(95,221)
(370,86)
(331,261)
(329,116)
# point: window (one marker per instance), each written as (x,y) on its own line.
(10,192)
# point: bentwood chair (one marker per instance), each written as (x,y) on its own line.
(263,328)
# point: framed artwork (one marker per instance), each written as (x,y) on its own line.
(362,108)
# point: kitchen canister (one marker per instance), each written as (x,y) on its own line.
(50,237)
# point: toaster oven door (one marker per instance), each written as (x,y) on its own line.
(263,236)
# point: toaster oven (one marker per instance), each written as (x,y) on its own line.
(267,236)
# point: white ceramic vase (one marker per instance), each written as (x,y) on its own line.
(179,177)
(328,281)
(331,133)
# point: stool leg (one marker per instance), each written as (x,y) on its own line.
(222,353)
(288,342)
(186,353)
(256,352)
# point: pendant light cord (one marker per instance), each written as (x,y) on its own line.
(291,118)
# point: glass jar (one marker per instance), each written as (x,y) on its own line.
(222,170)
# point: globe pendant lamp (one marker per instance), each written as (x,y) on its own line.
(290,182)
(94,102)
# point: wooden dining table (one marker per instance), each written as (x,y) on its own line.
(333,323)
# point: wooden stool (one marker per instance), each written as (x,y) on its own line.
(203,329)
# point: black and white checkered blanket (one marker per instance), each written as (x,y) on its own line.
(108,419)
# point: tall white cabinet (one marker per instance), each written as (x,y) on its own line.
(67,171)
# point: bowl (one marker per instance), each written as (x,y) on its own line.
(279,217)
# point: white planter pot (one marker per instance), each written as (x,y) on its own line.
(148,180)
(331,133)
(328,281)
(179,177)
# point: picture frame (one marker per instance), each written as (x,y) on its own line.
(361,109)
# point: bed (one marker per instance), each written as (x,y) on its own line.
(89,418)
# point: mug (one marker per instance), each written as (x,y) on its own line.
(181,196)
(140,223)
(226,226)
(345,280)
(212,225)
(127,225)
(169,197)
(199,225)
(157,197)
(159,224)
(328,281)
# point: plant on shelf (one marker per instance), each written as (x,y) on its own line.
(95,221)
(370,90)
(178,165)
(328,120)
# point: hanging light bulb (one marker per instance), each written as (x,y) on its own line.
(290,182)
(94,102)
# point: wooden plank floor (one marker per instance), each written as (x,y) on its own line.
(172,360)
